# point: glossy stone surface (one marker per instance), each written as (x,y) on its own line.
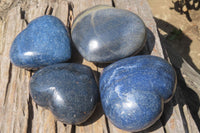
(68,90)
(133,91)
(106,34)
(44,42)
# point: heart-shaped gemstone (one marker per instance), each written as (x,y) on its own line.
(133,91)
(69,90)
(44,42)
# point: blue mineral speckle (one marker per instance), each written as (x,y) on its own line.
(44,42)
(133,91)
(68,90)
(106,34)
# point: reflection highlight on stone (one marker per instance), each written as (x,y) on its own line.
(93,45)
(29,53)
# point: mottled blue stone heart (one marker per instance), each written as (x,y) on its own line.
(106,34)
(68,90)
(44,42)
(133,91)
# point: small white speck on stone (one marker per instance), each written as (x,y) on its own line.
(52,88)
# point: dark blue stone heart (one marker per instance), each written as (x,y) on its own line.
(68,90)
(44,42)
(106,34)
(133,91)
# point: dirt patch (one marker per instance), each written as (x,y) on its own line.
(179,30)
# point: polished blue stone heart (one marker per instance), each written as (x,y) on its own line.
(106,34)
(133,91)
(68,90)
(44,42)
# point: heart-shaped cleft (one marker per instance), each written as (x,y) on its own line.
(69,90)
(106,34)
(133,91)
(44,42)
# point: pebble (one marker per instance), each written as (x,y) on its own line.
(106,34)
